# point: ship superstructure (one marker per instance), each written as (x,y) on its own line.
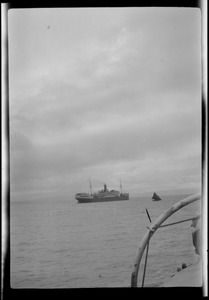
(102,195)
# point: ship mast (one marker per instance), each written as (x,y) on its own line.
(120,187)
(90,185)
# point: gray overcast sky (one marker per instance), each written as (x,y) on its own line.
(108,93)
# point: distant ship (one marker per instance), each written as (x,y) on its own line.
(102,195)
(155,197)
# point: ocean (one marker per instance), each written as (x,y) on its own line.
(59,243)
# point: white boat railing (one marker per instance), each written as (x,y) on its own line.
(153,227)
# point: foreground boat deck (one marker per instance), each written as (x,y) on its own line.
(188,277)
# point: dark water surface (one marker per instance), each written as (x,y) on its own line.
(61,244)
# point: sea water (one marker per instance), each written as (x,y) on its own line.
(59,243)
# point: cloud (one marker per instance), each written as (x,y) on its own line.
(108,142)
(104,92)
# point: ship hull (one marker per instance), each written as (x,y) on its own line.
(101,199)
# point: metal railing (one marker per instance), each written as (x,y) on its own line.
(151,230)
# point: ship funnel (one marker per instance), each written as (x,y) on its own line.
(105,187)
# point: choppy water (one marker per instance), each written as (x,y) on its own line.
(63,244)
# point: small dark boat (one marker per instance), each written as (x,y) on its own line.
(155,197)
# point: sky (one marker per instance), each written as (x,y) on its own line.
(105,93)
